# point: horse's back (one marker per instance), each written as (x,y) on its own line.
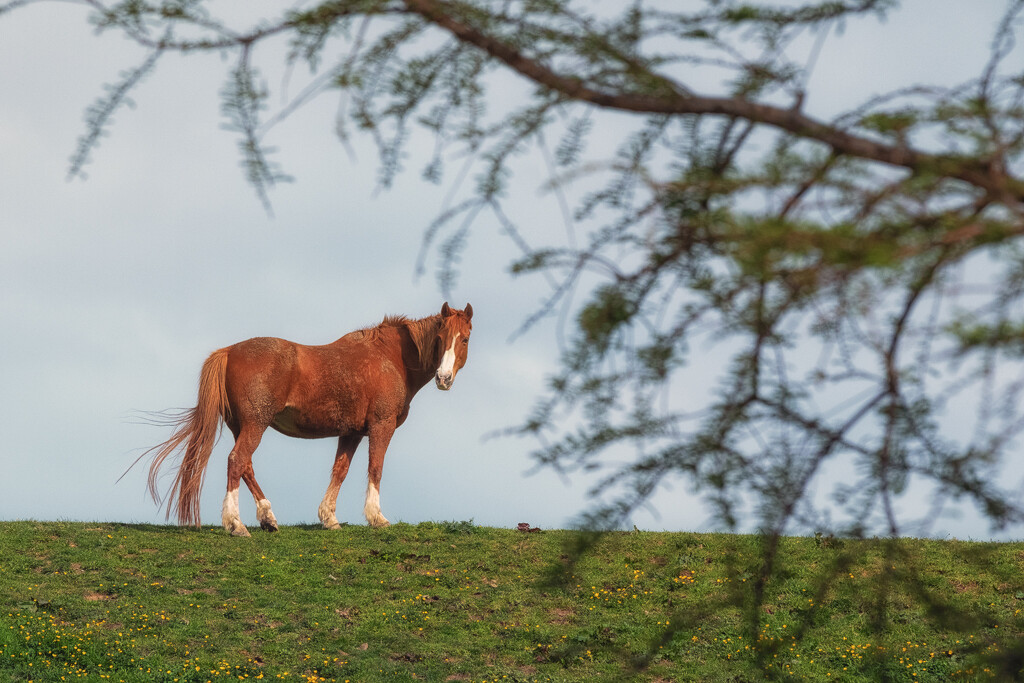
(264,352)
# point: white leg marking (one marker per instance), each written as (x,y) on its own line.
(229,512)
(229,515)
(446,370)
(265,515)
(327,508)
(371,510)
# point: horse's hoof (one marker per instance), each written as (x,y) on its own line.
(239,529)
(266,517)
(333,526)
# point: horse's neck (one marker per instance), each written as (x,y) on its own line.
(422,334)
(415,345)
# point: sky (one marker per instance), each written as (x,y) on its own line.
(114,288)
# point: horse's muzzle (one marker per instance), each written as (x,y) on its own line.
(444,382)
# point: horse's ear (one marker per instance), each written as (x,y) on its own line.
(469,312)
(445,310)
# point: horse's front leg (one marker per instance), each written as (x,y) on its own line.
(346,448)
(380,437)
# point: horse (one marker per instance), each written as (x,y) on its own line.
(358,386)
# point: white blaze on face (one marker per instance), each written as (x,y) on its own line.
(446,370)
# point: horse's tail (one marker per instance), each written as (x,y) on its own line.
(199,429)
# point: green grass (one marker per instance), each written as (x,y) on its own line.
(455,602)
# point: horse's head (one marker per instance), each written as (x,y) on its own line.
(452,344)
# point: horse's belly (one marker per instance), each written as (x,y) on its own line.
(291,422)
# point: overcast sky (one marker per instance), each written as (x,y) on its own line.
(114,289)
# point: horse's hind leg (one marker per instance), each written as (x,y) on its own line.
(263,512)
(346,448)
(239,461)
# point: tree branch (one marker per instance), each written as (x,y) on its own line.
(982,175)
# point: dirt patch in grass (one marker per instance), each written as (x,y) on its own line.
(964,586)
(560,616)
(95,597)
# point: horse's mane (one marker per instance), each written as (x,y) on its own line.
(394,320)
(422,333)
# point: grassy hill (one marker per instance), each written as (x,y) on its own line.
(454,602)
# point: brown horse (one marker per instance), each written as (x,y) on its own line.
(360,385)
